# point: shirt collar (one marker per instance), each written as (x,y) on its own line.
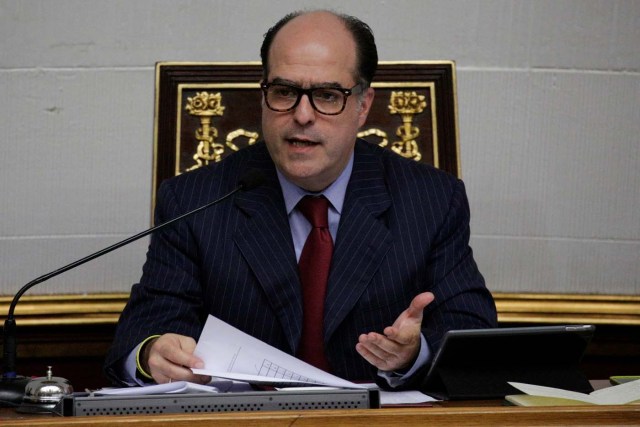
(334,193)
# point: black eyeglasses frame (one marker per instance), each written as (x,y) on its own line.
(301,91)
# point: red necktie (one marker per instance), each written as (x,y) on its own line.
(314,264)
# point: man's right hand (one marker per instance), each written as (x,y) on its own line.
(170,357)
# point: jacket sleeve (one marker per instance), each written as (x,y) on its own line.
(462,300)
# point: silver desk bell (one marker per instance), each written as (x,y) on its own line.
(42,394)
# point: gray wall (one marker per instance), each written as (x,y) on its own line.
(549,117)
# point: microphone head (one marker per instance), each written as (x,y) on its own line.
(251,179)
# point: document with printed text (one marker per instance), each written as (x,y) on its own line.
(232,354)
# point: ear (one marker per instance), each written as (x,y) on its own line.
(261,92)
(366,101)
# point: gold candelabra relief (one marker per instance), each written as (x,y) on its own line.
(206,105)
(407,104)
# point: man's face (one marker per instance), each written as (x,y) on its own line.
(312,149)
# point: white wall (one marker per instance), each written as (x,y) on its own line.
(549,118)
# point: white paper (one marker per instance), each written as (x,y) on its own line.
(404,397)
(173,387)
(229,353)
(407,397)
(615,395)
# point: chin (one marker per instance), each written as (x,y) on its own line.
(306,180)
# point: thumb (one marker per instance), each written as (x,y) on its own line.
(418,304)
(410,318)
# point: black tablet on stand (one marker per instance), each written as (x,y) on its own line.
(478,363)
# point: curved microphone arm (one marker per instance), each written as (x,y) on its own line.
(10,323)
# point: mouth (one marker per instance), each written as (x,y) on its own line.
(301,142)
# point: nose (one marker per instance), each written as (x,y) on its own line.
(304,113)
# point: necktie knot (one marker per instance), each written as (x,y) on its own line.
(315,210)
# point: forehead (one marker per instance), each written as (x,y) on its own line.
(313,49)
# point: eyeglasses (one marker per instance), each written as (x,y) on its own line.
(325,100)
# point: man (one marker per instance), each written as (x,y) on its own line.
(400,271)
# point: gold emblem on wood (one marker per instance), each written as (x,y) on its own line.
(205,105)
(376,132)
(407,104)
(252,137)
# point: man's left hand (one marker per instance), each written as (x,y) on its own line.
(399,346)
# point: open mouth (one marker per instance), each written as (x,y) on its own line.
(301,142)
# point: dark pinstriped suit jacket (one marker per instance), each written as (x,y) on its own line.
(404,229)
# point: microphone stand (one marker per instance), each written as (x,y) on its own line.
(11,384)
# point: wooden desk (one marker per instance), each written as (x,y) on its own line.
(442,414)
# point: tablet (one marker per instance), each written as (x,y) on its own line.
(478,363)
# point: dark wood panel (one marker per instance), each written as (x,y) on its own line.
(76,352)
(201,108)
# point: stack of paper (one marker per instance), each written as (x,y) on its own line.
(235,360)
(627,393)
(229,353)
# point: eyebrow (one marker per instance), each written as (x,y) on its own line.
(279,80)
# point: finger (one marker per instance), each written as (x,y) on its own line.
(408,324)
(381,352)
(380,358)
(378,345)
(178,349)
(188,346)
(200,379)
(168,372)
(179,373)
(418,304)
(404,334)
(371,355)
(171,356)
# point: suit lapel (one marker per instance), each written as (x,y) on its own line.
(363,238)
(265,242)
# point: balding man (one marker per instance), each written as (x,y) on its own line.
(347,256)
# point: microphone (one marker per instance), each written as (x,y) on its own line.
(10,382)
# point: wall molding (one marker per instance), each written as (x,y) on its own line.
(73,309)
(568,308)
(46,310)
